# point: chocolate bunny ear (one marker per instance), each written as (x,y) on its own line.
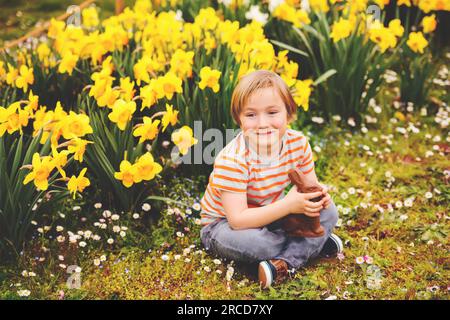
(296,179)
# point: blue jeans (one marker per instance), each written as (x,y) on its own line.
(270,242)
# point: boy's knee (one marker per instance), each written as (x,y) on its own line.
(257,244)
(261,244)
(330,215)
(268,244)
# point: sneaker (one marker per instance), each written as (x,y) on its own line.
(272,271)
(332,247)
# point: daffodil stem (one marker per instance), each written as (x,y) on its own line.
(161,113)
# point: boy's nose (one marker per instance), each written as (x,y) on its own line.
(263,123)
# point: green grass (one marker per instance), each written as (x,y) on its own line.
(408,244)
(19,17)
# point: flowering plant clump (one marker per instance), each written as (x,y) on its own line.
(122,86)
(416,63)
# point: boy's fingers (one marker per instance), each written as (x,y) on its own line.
(312,213)
(313,195)
(314,205)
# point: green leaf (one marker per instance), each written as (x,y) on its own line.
(165,199)
(325,76)
(288,47)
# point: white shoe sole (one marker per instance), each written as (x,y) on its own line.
(264,265)
(338,242)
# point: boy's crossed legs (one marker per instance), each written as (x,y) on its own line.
(270,242)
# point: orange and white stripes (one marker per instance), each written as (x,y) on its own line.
(237,169)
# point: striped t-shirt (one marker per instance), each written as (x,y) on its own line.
(237,169)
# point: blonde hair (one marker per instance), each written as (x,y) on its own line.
(256,80)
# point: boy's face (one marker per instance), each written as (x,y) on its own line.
(264,120)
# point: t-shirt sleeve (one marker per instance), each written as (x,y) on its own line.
(307,162)
(230,174)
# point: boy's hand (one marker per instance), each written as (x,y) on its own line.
(327,198)
(299,203)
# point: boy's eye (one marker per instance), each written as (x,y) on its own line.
(273,112)
(250,115)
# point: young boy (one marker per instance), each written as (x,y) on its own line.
(244,198)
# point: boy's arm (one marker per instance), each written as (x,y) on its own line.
(239,216)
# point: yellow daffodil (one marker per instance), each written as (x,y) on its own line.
(319,5)
(56,28)
(9,120)
(183,139)
(396,27)
(3,124)
(119,36)
(181,63)
(142,6)
(33,102)
(78,183)
(108,98)
(107,66)
(77,146)
(427,5)
(262,53)
(429,23)
(99,87)
(60,160)
(301,18)
(143,68)
(288,13)
(90,17)
(383,37)
(13,118)
(41,169)
(127,174)
(148,130)
(442,5)
(170,84)
(209,78)
(149,94)
(382,3)
(97,53)
(170,116)
(228,32)
(341,30)
(122,113)
(416,42)
(404,3)
(12,75)
(303,91)
(207,19)
(43,51)
(209,42)
(2,71)
(146,167)
(68,63)
(75,125)
(290,73)
(25,78)
(126,89)
(282,58)
(49,122)
(58,122)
